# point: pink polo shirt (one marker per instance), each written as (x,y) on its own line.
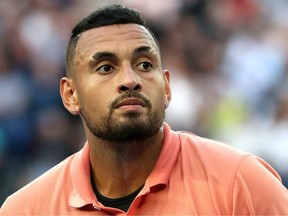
(192,176)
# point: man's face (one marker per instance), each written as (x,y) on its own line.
(119,84)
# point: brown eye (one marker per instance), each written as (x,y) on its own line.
(105,69)
(144,66)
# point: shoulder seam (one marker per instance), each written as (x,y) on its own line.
(233,181)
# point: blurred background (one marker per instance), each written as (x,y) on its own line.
(229,76)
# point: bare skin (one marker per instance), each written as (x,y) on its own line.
(109,61)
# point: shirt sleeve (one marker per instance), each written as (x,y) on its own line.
(258,190)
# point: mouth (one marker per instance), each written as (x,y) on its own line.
(130,104)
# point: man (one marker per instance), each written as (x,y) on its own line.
(133,163)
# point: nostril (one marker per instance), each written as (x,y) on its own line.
(123,88)
(137,88)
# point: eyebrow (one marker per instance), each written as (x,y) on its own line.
(99,55)
(142,49)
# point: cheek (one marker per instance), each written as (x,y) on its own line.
(159,96)
(94,99)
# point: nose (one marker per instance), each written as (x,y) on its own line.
(129,80)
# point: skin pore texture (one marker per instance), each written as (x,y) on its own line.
(119,89)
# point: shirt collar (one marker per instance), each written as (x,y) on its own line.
(161,172)
(82,193)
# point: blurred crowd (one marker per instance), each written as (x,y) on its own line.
(229,77)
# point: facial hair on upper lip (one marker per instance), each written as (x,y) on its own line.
(130,94)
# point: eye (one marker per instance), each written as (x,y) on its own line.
(144,66)
(105,69)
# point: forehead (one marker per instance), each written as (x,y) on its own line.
(115,37)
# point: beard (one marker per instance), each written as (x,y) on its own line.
(132,126)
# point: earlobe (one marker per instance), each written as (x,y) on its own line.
(69,96)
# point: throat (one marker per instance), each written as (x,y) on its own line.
(118,172)
(119,181)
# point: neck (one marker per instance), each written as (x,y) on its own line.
(119,169)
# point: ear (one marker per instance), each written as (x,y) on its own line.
(69,95)
(166,75)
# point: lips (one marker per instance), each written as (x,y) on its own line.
(131,102)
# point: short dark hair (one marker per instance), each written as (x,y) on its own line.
(108,15)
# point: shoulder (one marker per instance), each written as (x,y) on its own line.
(218,156)
(247,181)
(259,186)
(214,162)
(41,190)
(209,149)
